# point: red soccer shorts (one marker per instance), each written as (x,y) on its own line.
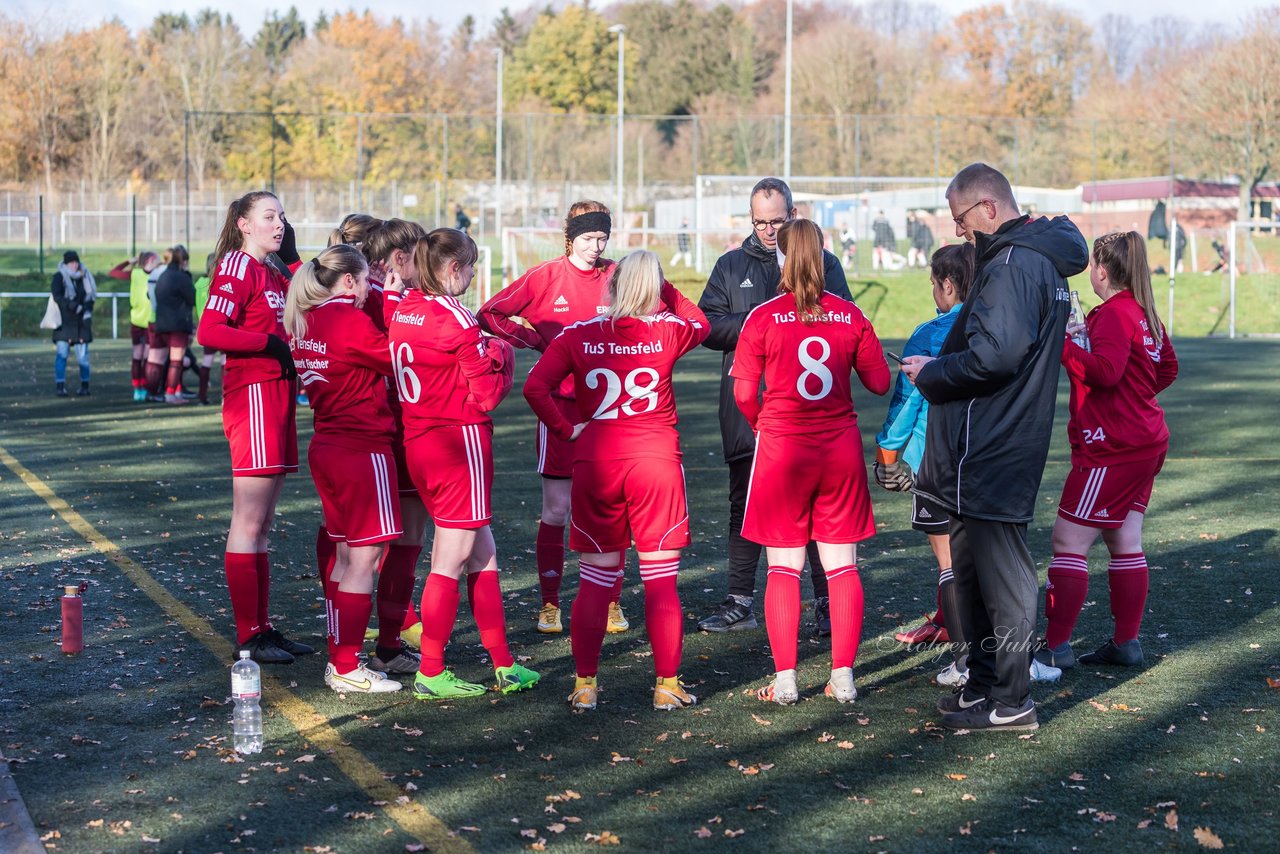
(403,479)
(357,493)
(137,334)
(617,501)
(258,420)
(806,488)
(168,340)
(555,455)
(452,467)
(1102,497)
(153,339)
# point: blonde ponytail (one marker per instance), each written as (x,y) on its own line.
(314,281)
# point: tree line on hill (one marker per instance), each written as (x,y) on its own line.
(889,87)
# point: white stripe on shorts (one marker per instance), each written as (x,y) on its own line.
(1092,487)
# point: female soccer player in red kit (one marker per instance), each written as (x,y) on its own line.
(550,297)
(628,484)
(344,360)
(808,480)
(397,573)
(244,318)
(1118,441)
(450,378)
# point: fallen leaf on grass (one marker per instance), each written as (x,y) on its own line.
(1207,838)
(557,827)
(845,745)
(967,829)
(761,720)
(1099,706)
(414,847)
(733,834)
(529,833)
(306,757)
(567,795)
(967,797)
(957,776)
(604,837)
(825,737)
(1273,683)
(703,832)
(1144,824)
(1171,820)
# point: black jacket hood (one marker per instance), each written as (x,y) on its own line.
(1057,239)
(753,247)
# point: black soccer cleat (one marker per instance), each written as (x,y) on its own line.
(1062,657)
(263,651)
(1127,654)
(731,616)
(294,648)
(822,617)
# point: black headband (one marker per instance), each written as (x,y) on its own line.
(587,223)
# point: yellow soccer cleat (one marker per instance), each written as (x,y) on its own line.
(413,635)
(669,694)
(583,698)
(549,620)
(617,620)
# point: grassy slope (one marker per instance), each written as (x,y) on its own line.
(133,729)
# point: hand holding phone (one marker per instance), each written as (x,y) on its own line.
(895,357)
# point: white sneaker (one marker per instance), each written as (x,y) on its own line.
(1044,672)
(840,688)
(362,680)
(953,677)
(782,690)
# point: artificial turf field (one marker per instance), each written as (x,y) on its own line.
(126,747)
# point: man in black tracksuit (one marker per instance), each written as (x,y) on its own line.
(992,392)
(744,278)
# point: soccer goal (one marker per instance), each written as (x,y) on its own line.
(676,248)
(1252,261)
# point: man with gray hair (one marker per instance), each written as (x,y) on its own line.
(992,391)
(744,278)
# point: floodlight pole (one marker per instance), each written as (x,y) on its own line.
(497,206)
(186,178)
(621,32)
(786,105)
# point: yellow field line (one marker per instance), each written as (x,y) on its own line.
(413,818)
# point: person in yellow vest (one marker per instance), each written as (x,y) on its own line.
(141,312)
(206,354)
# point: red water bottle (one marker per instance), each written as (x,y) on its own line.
(73,618)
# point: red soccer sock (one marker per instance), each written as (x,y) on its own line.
(589,615)
(662,615)
(1127,577)
(411,617)
(615,595)
(155,377)
(264,589)
(326,557)
(351,613)
(242,584)
(395,591)
(846,615)
(173,381)
(549,548)
(485,595)
(782,615)
(439,609)
(1064,596)
(136,373)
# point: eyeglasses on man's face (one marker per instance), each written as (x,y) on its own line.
(763,224)
(959,220)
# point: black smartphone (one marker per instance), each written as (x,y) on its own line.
(895,357)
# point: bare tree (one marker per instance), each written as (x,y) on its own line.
(1116,37)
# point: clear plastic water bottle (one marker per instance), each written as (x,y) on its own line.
(1077,316)
(246,688)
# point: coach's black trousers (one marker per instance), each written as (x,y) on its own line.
(996,587)
(744,555)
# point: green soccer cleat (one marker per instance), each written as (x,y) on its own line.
(516,678)
(444,686)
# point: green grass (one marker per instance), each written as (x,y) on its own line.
(135,729)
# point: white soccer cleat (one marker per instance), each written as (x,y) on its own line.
(362,680)
(1044,673)
(782,690)
(953,677)
(841,688)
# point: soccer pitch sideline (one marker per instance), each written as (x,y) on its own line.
(126,747)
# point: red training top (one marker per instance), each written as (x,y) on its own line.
(550,296)
(447,373)
(342,360)
(621,372)
(246,303)
(806,366)
(1114,413)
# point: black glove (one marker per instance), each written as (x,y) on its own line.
(289,245)
(278,350)
(895,476)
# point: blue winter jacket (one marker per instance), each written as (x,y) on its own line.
(904,426)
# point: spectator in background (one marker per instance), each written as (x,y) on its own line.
(136,271)
(175,299)
(848,245)
(884,243)
(74,290)
(921,238)
(157,352)
(682,246)
(206,354)
(461,221)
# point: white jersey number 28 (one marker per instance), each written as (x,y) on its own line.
(614,386)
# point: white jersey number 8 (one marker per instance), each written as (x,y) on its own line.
(814,368)
(614,388)
(407,381)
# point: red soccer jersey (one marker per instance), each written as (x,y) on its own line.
(246,303)
(343,361)
(621,371)
(1114,413)
(550,296)
(807,366)
(445,371)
